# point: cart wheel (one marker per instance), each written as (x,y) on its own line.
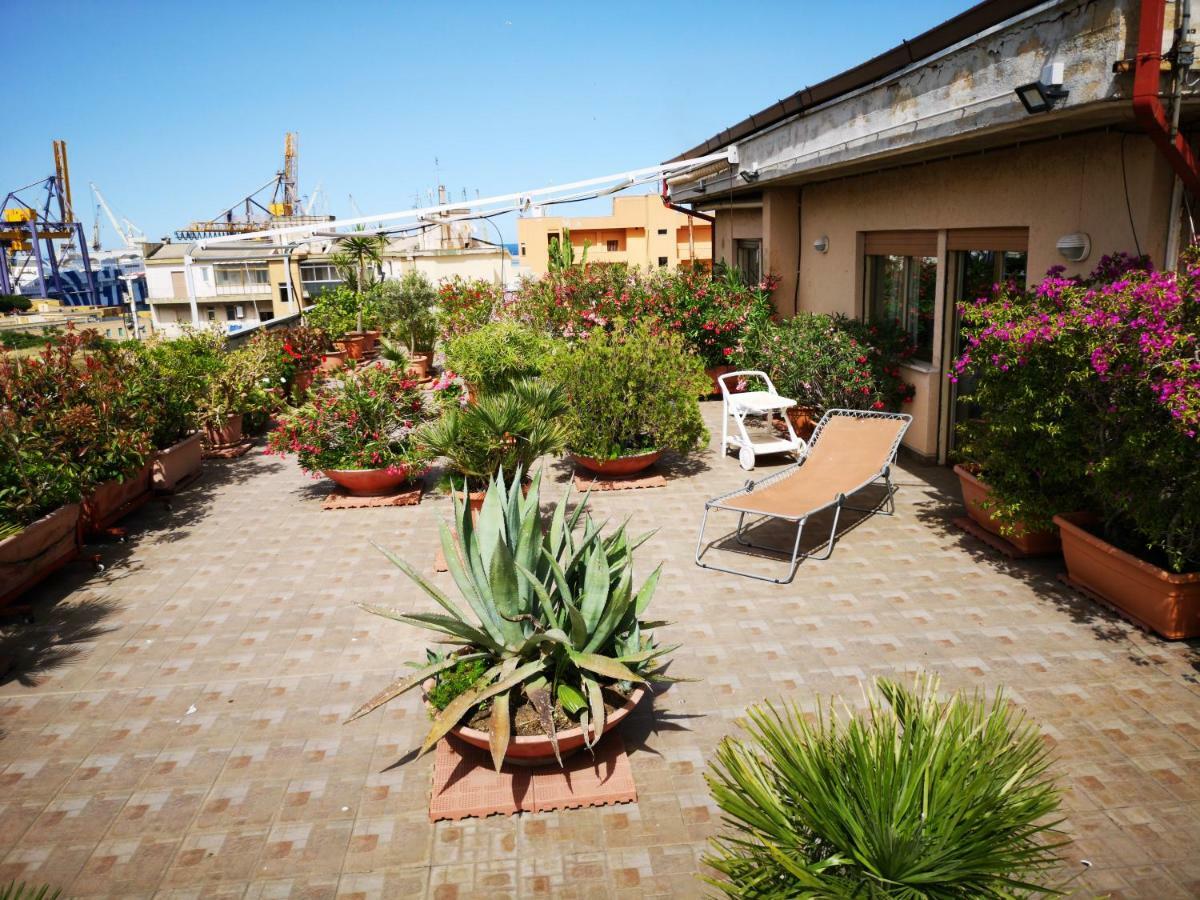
(746,458)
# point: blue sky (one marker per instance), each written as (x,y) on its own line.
(178,109)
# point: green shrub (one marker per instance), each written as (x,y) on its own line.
(493,356)
(21,340)
(407,311)
(335,312)
(504,432)
(630,391)
(173,376)
(917,798)
(456,680)
(829,362)
(463,305)
(15,303)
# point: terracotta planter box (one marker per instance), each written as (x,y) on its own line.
(622,465)
(367,482)
(536,750)
(31,554)
(177,463)
(715,372)
(113,499)
(1164,602)
(303,381)
(333,360)
(1030,543)
(228,435)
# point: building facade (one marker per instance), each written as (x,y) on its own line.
(641,231)
(920,178)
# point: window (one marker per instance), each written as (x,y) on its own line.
(212,314)
(662,262)
(900,289)
(662,231)
(522,249)
(235,279)
(284,296)
(319,272)
(749,260)
(551,238)
(613,246)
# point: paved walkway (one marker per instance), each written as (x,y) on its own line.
(174,726)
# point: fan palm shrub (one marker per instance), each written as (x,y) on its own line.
(503,432)
(919,798)
(553,616)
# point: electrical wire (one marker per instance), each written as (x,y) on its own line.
(1128,205)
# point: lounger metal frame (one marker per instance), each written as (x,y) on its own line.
(886,507)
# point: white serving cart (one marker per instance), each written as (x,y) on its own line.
(766,403)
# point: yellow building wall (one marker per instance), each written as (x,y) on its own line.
(635,224)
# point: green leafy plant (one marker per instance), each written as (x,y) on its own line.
(463,305)
(357,259)
(363,418)
(247,383)
(491,357)
(830,362)
(629,392)
(19,890)
(920,797)
(336,312)
(451,683)
(173,376)
(502,432)
(408,311)
(553,616)
(561,254)
(15,303)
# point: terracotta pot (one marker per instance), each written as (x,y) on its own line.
(623,465)
(303,381)
(352,345)
(536,750)
(804,420)
(177,463)
(37,550)
(475,498)
(418,365)
(715,372)
(110,500)
(228,435)
(1031,543)
(370,340)
(1164,602)
(368,482)
(333,361)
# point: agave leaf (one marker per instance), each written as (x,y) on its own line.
(540,698)
(445,602)
(506,594)
(438,622)
(560,578)
(500,730)
(558,524)
(552,636)
(458,707)
(646,592)
(604,665)
(646,655)
(400,685)
(489,528)
(467,585)
(637,542)
(579,631)
(578,513)
(544,598)
(596,705)
(595,588)
(613,613)
(526,554)
(571,699)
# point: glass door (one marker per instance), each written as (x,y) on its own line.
(975,273)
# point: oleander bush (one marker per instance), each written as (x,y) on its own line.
(1088,398)
(493,356)
(917,797)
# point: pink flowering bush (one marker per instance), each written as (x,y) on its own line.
(1088,393)
(362,419)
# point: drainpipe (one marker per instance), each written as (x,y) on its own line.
(1183,60)
(683,209)
(1148,108)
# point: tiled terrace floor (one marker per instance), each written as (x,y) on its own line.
(177,729)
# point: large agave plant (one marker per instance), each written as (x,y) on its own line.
(553,612)
(919,798)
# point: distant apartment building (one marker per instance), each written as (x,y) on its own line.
(239,287)
(640,232)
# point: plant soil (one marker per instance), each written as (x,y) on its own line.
(526,722)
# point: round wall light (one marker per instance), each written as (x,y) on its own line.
(821,244)
(1074,247)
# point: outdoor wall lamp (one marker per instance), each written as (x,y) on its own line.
(1074,247)
(1041,95)
(750,176)
(821,244)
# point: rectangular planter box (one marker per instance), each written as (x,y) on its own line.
(41,547)
(1029,543)
(113,499)
(1166,603)
(178,463)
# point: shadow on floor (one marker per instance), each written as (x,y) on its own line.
(58,635)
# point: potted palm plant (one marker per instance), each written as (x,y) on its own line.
(554,651)
(357,429)
(358,257)
(504,432)
(630,395)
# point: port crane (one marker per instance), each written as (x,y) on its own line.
(254,211)
(129,233)
(31,226)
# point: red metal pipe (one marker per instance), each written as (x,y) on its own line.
(1147,106)
(683,209)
